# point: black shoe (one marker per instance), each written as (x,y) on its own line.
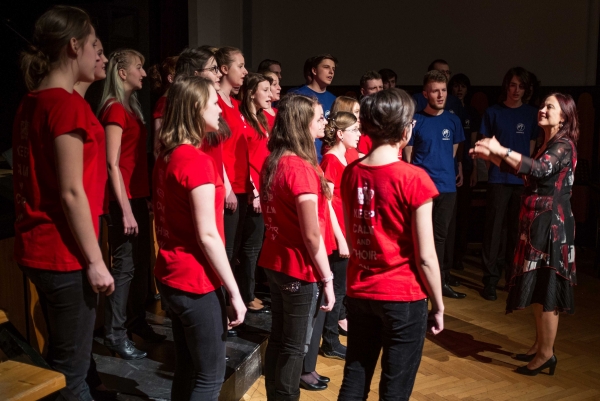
(126,350)
(264,309)
(447,291)
(147,334)
(104,395)
(453,281)
(489,292)
(337,352)
(342,332)
(549,364)
(312,387)
(232,333)
(526,357)
(322,379)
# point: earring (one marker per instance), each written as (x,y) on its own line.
(341,138)
(560,125)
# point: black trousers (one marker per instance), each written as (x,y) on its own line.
(294,311)
(503,203)
(253,231)
(443,208)
(397,327)
(312,354)
(331,335)
(462,223)
(234,222)
(131,272)
(69,308)
(199,332)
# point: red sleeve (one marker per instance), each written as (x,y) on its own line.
(303,179)
(69,116)
(364,144)
(331,169)
(421,189)
(114,114)
(198,169)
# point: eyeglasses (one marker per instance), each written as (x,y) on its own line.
(355,130)
(214,69)
(413,123)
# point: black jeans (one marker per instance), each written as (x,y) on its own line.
(312,354)
(398,327)
(130,270)
(199,332)
(253,232)
(443,208)
(461,222)
(69,307)
(234,221)
(502,209)
(294,308)
(330,328)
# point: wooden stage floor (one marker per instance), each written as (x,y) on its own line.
(472,358)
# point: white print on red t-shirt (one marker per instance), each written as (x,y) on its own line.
(365,212)
(270,229)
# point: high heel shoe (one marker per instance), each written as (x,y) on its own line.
(126,350)
(550,363)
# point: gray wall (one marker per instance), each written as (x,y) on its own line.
(556,39)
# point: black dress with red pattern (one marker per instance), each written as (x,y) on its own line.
(543,269)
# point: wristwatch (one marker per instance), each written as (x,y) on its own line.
(508,150)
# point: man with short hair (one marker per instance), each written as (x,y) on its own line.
(433,145)
(388,77)
(321,73)
(514,124)
(370,83)
(453,104)
(270,65)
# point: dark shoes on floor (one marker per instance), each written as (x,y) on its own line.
(337,352)
(447,291)
(489,292)
(549,364)
(453,281)
(126,350)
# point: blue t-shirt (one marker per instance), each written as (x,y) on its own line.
(326,99)
(433,141)
(514,128)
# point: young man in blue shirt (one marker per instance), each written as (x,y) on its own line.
(514,124)
(436,136)
(453,104)
(322,72)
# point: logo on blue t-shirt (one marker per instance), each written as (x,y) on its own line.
(520,128)
(446,134)
(467,123)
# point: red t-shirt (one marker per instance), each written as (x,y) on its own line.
(379,201)
(270,118)
(43,238)
(351,155)
(333,170)
(98,200)
(181,263)
(216,153)
(159,108)
(133,161)
(257,154)
(235,148)
(283,248)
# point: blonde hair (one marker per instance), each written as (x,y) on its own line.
(343,103)
(51,34)
(114,90)
(183,121)
(338,121)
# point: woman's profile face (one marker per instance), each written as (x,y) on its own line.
(87,57)
(135,74)
(550,114)
(100,67)
(317,124)
(262,96)
(356,109)
(350,136)
(236,71)
(211,72)
(212,112)
(275,88)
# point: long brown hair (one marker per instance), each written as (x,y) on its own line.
(159,74)
(183,121)
(51,34)
(257,120)
(291,133)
